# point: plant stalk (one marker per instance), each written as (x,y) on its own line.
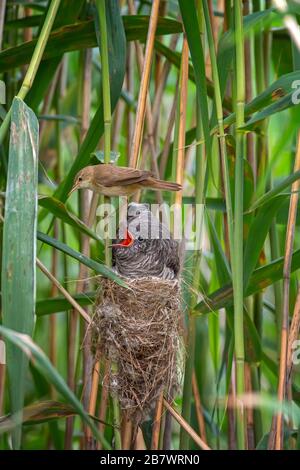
(237,254)
(107,145)
(34,63)
(290,234)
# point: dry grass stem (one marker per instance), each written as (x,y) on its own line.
(197,439)
(282,384)
(140,113)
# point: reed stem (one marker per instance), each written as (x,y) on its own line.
(141,107)
(237,254)
(107,145)
(34,63)
(290,234)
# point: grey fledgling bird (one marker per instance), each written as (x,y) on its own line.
(148,249)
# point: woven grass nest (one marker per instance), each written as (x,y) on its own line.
(140,330)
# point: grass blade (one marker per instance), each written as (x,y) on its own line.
(59,210)
(191,25)
(117,55)
(42,363)
(81,35)
(99,268)
(18,264)
(61,304)
(276,190)
(260,279)
(258,231)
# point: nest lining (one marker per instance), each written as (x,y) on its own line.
(140,330)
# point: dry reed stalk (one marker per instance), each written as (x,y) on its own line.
(72,330)
(27,31)
(2,17)
(231,416)
(64,292)
(248,73)
(86,317)
(140,113)
(249,411)
(84,110)
(52,320)
(179,158)
(48,100)
(2,366)
(92,404)
(158,59)
(226,19)
(130,88)
(103,400)
(148,111)
(117,124)
(167,140)
(157,423)
(161,85)
(167,439)
(139,441)
(282,383)
(199,411)
(2,387)
(189,150)
(87,357)
(90,385)
(214,28)
(213,22)
(149,122)
(127,429)
(182,119)
(272,435)
(197,439)
(293,335)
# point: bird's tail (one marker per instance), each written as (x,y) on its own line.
(161,185)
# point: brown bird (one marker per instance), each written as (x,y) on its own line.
(113,180)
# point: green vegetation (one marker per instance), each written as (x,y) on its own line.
(204,91)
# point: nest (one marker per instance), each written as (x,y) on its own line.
(139,329)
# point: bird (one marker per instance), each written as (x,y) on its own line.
(111,180)
(148,249)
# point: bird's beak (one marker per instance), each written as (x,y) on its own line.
(75,187)
(126,243)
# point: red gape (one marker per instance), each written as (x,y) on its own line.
(128,241)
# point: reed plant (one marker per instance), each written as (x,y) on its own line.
(208,96)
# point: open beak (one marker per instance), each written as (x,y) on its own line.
(75,187)
(126,243)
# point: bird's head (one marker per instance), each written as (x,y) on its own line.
(137,232)
(83,179)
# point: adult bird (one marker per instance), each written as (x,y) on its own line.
(148,249)
(112,180)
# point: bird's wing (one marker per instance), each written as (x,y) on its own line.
(122,176)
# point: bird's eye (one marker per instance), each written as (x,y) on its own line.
(79,179)
(137,213)
(140,239)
